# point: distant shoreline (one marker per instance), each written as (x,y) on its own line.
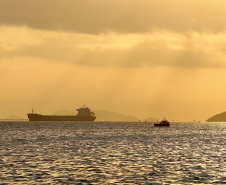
(14,120)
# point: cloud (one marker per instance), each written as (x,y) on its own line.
(144,73)
(140,55)
(115,50)
(128,16)
(145,54)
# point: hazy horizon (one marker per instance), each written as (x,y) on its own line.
(71,112)
(147,58)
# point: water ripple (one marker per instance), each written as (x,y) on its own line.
(112,153)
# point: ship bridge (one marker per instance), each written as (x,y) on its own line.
(84,111)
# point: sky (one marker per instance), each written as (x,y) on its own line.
(146,58)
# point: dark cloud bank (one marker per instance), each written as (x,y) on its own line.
(97,16)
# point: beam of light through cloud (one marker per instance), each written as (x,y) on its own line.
(138,58)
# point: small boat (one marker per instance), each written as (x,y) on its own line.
(163,123)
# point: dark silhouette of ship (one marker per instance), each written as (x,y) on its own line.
(84,114)
(163,123)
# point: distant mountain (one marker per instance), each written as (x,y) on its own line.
(102,115)
(106,115)
(151,119)
(13,117)
(218,118)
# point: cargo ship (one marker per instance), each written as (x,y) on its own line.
(84,114)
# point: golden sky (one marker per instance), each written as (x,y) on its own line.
(142,58)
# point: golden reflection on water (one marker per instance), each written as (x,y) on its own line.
(112,153)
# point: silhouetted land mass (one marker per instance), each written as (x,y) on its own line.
(13,117)
(218,118)
(103,115)
(151,119)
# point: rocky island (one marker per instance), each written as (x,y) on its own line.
(218,118)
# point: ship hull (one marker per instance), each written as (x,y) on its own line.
(161,125)
(39,117)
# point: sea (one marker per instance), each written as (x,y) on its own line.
(112,153)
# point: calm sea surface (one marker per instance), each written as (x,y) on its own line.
(112,153)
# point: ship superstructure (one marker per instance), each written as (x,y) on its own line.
(163,123)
